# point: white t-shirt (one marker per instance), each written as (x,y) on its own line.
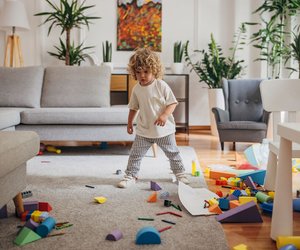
(151,101)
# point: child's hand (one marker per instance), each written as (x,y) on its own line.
(130,129)
(161,120)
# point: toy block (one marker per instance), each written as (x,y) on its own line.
(164,195)
(31,205)
(193,168)
(31,224)
(246,213)
(24,215)
(114,235)
(249,182)
(246,199)
(252,153)
(233,204)
(154,186)
(197,173)
(53,149)
(232,197)
(44,216)
(152,197)
(221,182)
(118,171)
(215,209)
(218,174)
(28,215)
(45,206)
(148,235)
(257,176)
(25,236)
(36,215)
(213,201)
(224,204)
(271,194)
(282,241)
(237,193)
(3,212)
(26,194)
(219,193)
(262,197)
(243,193)
(45,227)
(246,166)
(296,205)
(100,199)
(267,207)
(240,247)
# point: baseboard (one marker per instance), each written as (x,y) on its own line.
(199,127)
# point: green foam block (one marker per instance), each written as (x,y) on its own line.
(25,236)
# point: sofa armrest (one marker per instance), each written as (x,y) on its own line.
(220,115)
(265,117)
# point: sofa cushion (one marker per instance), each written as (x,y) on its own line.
(9,118)
(243,125)
(72,86)
(21,87)
(16,147)
(91,116)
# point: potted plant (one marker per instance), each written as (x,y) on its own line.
(68,16)
(213,66)
(107,54)
(177,65)
(295,51)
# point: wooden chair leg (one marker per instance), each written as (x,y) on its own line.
(234,148)
(154,149)
(19,204)
(222,145)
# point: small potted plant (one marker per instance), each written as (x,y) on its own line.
(107,54)
(177,65)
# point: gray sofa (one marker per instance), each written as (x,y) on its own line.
(62,103)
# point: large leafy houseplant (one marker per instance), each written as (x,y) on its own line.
(178,52)
(270,39)
(68,16)
(213,65)
(294,51)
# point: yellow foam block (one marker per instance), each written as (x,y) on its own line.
(35,216)
(271,194)
(100,199)
(240,247)
(245,199)
(213,201)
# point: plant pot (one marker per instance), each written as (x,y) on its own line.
(177,68)
(215,99)
(109,64)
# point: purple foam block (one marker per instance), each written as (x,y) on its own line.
(245,213)
(3,212)
(114,235)
(31,224)
(232,197)
(249,182)
(31,205)
(154,186)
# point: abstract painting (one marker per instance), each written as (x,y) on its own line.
(139,24)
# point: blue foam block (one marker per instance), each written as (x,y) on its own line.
(257,176)
(147,235)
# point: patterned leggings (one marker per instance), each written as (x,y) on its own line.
(140,147)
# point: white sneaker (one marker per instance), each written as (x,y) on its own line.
(127,181)
(182,177)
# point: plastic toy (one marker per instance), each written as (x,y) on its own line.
(193,168)
(262,197)
(240,247)
(26,194)
(154,186)
(164,195)
(100,199)
(170,222)
(45,206)
(282,241)
(31,205)
(152,197)
(147,235)
(31,224)
(257,176)
(267,207)
(53,149)
(167,203)
(246,213)
(45,227)
(288,247)
(25,236)
(296,205)
(164,229)
(114,235)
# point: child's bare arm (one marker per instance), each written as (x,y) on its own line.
(131,116)
(161,120)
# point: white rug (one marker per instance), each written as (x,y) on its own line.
(61,179)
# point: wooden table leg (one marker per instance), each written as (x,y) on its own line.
(19,204)
(154,149)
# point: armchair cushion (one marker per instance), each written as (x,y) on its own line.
(243,125)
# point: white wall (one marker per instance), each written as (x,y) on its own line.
(191,20)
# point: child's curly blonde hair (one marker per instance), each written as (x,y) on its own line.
(145,58)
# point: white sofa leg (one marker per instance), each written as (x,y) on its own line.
(270,178)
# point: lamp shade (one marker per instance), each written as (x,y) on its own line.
(13,14)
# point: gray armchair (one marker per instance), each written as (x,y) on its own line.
(243,119)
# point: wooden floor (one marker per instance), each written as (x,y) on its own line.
(254,235)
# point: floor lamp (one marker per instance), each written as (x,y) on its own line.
(13,17)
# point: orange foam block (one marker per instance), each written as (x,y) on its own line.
(215,209)
(233,204)
(218,174)
(152,197)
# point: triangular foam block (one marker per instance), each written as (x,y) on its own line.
(152,197)
(25,236)
(257,176)
(148,235)
(245,213)
(45,206)
(154,186)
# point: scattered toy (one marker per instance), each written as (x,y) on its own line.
(114,235)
